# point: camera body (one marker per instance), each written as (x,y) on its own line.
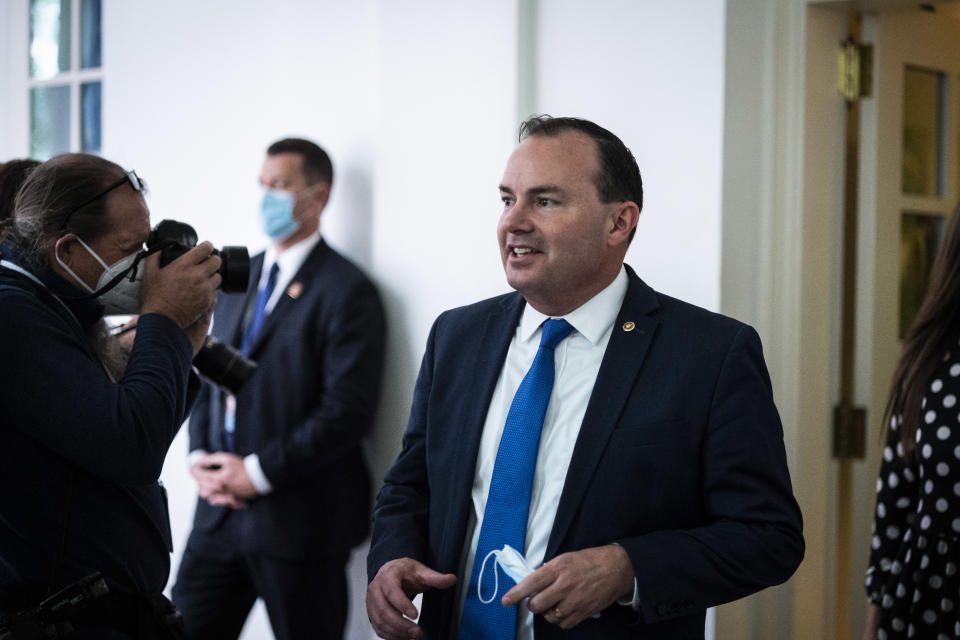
(223,364)
(50,619)
(173,239)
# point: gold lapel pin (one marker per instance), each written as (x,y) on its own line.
(629,325)
(294,290)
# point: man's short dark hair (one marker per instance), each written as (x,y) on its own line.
(618,178)
(316,163)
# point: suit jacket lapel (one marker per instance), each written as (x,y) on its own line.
(232,312)
(482,370)
(618,371)
(303,279)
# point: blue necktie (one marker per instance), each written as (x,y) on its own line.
(508,501)
(259,311)
(249,335)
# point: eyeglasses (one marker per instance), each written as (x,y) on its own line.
(139,185)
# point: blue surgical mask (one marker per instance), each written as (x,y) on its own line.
(276,214)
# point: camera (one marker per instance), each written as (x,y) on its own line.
(173,239)
(221,363)
(51,618)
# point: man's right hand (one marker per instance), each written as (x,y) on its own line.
(389,596)
(185,290)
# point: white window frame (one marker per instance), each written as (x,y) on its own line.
(73,77)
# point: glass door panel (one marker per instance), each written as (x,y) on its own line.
(49,121)
(923,92)
(49,38)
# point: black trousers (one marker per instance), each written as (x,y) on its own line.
(218,583)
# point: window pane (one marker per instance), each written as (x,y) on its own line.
(920,236)
(49,37)
(49,121)
(922,132)
(90,117)
(90,34)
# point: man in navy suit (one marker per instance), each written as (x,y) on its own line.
(284,489)
(659,487)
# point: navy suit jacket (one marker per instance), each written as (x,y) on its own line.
(305,409)
(679,459)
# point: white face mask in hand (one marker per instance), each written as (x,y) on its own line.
(513,564)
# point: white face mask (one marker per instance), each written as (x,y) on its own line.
(120,298)
(513,564)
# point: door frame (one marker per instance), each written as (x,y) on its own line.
(781,253)
(783,196)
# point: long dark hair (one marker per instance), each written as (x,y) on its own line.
(48,195)
(937,323)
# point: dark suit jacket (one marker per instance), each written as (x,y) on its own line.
(305,409)
(680,459)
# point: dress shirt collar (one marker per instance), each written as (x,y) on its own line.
(591,319)
(291,259)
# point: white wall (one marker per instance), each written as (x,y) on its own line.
(651,72)
(193,93)
(417,103)
(14,96)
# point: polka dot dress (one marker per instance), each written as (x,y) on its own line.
(915,551)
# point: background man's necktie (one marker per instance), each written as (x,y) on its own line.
(508,501)
(259,310)
(246,343)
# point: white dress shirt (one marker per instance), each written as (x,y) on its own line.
(289,262)
(577,361)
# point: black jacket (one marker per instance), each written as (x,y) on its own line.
(80,455)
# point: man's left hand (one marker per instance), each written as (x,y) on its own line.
(574,586)
(232,476)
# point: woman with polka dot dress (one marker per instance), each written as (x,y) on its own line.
(913,585)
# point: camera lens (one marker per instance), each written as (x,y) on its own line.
(234,269)
(224,364)
(173,239)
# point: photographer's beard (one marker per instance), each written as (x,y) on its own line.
(113,355)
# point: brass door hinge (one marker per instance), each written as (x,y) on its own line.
(849,431)
(855,70)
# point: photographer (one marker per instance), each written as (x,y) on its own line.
(84,428)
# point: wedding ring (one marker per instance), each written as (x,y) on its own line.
(556,612)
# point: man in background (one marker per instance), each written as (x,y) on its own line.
(624,443)
(283,486)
